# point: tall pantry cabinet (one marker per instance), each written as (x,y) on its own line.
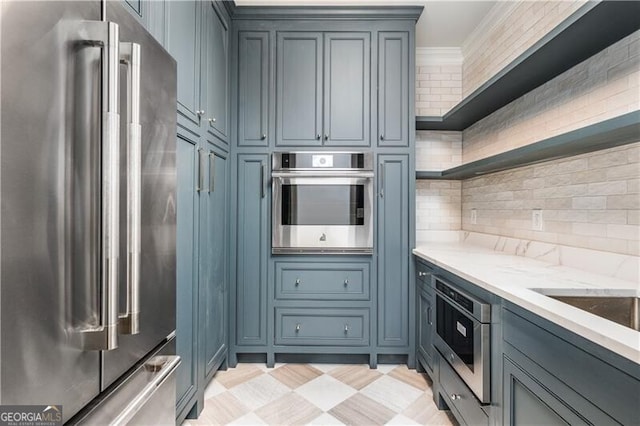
(196,34)
(322,79)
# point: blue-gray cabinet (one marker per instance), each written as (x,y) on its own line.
(317,326)
(299,89)
(214,290)
(215,81)
(253,88)
(425,315)
(196,34)
(252,250)
(553,373)
(183,42)
(393,88)
(393,250)
(187,273)
(347,70)
(323,88)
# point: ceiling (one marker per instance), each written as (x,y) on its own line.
(445,23)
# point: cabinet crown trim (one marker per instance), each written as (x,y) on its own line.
(324,12)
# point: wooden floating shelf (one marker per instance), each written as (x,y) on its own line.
(617,131)
(592,28)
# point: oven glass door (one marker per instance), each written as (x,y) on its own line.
(324,213)
(328,204)
(457,330)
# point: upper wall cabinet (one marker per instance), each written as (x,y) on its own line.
(183,39)
(215,57)
(393,89)
(253,88)
(299,89)
(347,88)
(323,88)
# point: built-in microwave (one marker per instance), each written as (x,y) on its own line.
(322,202)
(463,324)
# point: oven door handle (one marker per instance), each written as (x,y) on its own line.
(328,175)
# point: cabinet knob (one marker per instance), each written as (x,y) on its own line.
(326,137)
(346,328)
(455,396)
(263,137)
(212,120)
(381,137)
(318,136)
(297,327)
(297,282)
(346,282)
(200,112)
(422,274)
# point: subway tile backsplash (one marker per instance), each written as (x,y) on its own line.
(589,201)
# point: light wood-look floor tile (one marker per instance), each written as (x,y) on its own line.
(294,375)
(220,410)
(291,409)
(424,411)
(410,377)
(356,376)
(361,410)
(235,376)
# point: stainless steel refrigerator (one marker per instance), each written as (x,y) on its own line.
(88,213)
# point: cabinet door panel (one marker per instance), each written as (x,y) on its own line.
(187,276)
(215,55)
(393,250)
(425,326)
(251,273)
(527,402)
(299,89)
(347,71)
(183,40)
(393,89)
(216,293)
(253,88)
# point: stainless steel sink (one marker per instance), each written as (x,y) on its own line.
(623,310)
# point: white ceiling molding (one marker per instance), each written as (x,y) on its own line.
(426,56)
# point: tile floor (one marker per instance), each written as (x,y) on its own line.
(320,394)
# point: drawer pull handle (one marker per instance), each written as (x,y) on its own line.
(455,396)
(429,316)
(346,282)
(346,328)
(297,328)
(297,282)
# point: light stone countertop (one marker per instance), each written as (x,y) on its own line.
(513,278)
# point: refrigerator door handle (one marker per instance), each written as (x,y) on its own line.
(104,336)
(129,322)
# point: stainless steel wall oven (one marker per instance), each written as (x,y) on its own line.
(322,202)
(463,325)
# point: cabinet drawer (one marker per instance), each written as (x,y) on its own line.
(465,402)
(322,327)
(317,281)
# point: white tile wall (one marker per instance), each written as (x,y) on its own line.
(437,207)
(438,88)
(436,150)
(510,28)
(590,201)
(602,87)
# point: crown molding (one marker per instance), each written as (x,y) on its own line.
(438,56)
